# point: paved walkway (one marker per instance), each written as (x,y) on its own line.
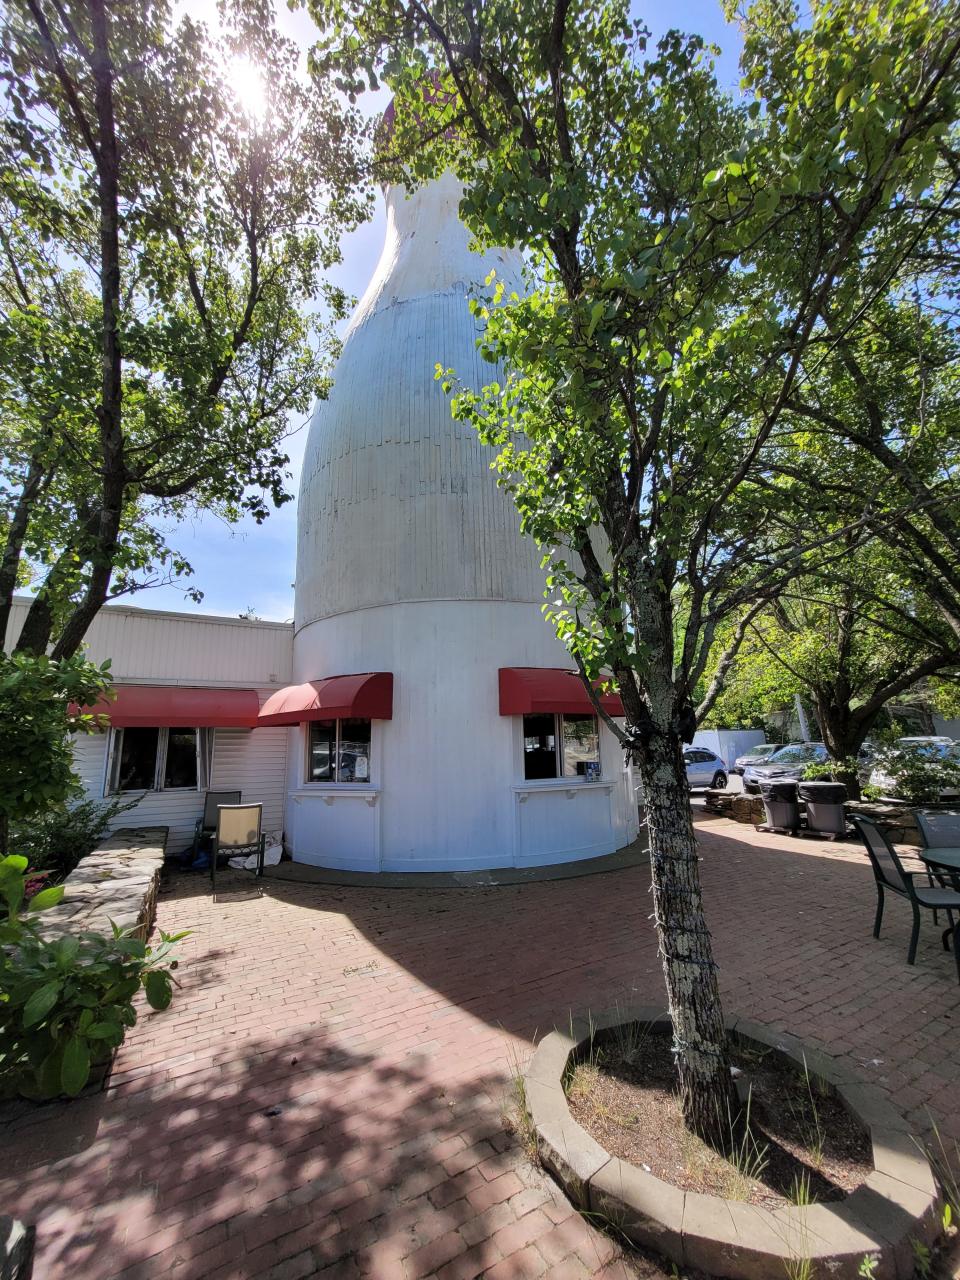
(324,1096)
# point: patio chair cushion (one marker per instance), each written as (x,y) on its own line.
(239,826)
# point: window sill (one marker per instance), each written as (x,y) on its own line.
(569,786)
(330,791)
(152,791)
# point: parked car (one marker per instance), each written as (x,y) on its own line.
(933,750)
(704,768)
(759,754)
(785,765)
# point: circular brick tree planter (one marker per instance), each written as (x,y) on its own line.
(897,1206)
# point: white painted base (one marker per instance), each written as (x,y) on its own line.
(446,789)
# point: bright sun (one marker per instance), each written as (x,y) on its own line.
(249,86)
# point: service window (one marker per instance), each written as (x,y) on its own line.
(322,750)
(540,746)
(338,751)
(158,759)
(560,746)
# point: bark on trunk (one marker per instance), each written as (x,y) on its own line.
(13,548)
(709,1105)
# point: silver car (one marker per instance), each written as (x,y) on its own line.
(785,765)
(759,754)
(704,768)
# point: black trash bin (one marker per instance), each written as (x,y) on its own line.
(825,811)
(780,804)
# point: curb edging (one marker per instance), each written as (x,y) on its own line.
(897,1205)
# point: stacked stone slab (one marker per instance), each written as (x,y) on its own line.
(116,883)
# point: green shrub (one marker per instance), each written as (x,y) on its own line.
(56,840)
(41,704)
(65,1005)
(830,771)
(918,773)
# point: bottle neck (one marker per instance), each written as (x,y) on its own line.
(427,250)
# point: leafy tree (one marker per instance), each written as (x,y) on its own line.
(874,418)
(945,696)
(849,643)
(682,249)
(161,246)
(38,701)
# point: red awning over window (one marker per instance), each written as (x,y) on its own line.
(368,696)
(526,690)
(150,706)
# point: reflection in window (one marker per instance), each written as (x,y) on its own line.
(338,751)
(180,769)
(323,746)
(570,750)
(581,745)
(138,760)
(159,759)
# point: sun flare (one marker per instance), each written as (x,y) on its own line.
(248,85)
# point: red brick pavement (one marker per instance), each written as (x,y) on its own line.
(324,1096)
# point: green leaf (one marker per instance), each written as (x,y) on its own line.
(75,1069)
(40,1003)
(157,986)
(105,1031)
(46,898)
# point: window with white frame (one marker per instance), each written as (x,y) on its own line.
(560,746)
(338,751)
(159,759)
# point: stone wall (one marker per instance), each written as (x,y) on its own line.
(117,882)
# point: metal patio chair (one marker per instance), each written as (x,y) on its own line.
(238,834)
(940,829)
(206,825)
(889,874)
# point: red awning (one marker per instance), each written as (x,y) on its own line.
(148,706)
(368,696)
(526,690)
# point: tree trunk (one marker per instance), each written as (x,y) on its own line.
(16,534)
(843,736)
(708,1101)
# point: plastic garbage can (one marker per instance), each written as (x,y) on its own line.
(780,804)
(825,811)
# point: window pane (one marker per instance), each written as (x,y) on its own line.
(323,743)
(540,746)
(354,751)
(181,766)
(138,760)
(581,744)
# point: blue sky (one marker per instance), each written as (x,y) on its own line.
(249,565)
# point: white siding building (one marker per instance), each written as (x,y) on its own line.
(420,715)
(170,652)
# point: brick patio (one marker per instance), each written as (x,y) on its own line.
(325,1095)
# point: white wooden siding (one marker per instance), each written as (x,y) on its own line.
(252,761)
(151,646)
